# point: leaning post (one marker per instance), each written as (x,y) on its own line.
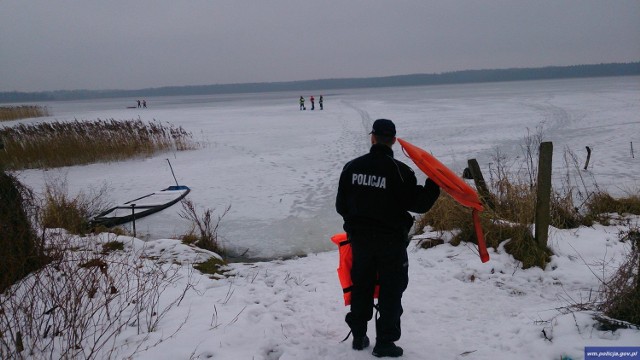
(586,164)
(543,200)
(481,185)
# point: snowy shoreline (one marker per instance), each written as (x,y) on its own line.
(455,306)
(278,167)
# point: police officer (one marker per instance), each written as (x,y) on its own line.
(375,194)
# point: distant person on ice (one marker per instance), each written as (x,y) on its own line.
(313,105)
(138,103)
(144,104)
(375,194)
(302,103)
(320,102)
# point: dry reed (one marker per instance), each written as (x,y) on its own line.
(9,113)
(56,144)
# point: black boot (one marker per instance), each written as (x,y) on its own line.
(360,342)
(383,349)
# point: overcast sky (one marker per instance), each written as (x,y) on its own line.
(133,44)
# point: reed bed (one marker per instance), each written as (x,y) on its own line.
(56,144)
(8,113)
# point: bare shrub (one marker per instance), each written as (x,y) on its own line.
(530,150)
(568,204)
(204,233)
(512,188)
(515,186)
(88,295)
(621,293)
(77,306)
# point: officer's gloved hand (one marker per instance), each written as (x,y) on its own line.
(431,185)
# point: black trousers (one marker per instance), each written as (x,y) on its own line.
(382,257)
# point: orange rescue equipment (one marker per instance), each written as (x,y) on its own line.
(452,184)
(344,268)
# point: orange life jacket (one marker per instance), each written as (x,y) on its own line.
(452,184)
(344,267)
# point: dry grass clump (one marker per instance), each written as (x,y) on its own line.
(8,113)
(564,214)
(56,144)
(513,189)
(448,215)
(65,213)
(110,246)
(445,215)
(204,232)
(601,205)
(516,202)
(60,210)
(524,248)
(212,266)
(513,215)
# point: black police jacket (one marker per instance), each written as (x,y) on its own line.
(376,192)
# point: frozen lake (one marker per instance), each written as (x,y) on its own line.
(278,167)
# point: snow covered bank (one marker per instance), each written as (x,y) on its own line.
(455,306)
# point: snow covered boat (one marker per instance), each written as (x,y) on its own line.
(142,206)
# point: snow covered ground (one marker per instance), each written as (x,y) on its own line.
(278,168)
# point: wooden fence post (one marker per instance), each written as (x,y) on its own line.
(481,185)
(133,215)
(586,164)
(543,201)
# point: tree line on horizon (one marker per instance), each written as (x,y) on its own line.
(454,77)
